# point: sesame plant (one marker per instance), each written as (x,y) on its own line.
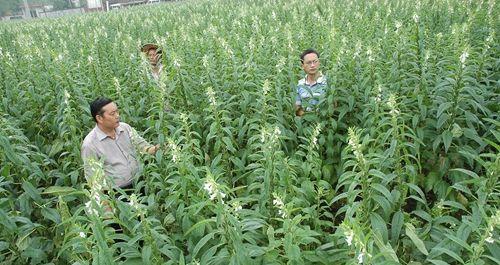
(399,163)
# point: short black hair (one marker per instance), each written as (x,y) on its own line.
(306,52)
(97,105)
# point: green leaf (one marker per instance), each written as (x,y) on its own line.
(146,254)
(410,232)
(32,191)
(229,144)
(466,172)
(396,226)
(459,241)
(385,249)
(291,249)
(454,205)
(438,262)
(442,119)
(202,243)
(450,253)
(379,226)
(382,189)
(442,108)
(198,224)
(447,137)
(58,190)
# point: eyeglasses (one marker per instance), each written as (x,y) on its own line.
(312,62)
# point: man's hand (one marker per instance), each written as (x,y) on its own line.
(152,149)
(299,111)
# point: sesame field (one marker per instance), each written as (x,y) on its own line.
(399,163)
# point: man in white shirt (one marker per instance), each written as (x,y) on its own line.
(114,143)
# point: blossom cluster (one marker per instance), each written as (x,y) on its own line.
(352,239)
(278,203)
(270,136)
(354,144)
(213,189)
(211,96)
(96,182)
(392,104)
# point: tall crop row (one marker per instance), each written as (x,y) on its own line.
(400,165)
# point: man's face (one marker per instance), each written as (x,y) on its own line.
(110,117)
(152,56)
(311,64)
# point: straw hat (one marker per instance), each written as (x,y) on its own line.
(148,46)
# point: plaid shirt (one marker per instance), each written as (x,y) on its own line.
(309,95)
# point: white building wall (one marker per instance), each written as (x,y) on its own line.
(94,4)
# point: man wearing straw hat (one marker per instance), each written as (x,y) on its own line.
(153,52)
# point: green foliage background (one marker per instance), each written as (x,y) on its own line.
(399,166)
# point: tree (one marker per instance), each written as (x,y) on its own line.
(61,4)
(8,7)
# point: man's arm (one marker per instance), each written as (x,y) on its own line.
(141,144)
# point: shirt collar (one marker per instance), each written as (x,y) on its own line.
(101,135)
(319,80)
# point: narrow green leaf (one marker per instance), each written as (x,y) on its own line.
(410,232)
(396,226)
(202,243)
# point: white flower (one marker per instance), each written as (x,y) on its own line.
(355,145)
(236,207)
(184,117)
(89,209)
(263,134)
(398,25)
(489,39)
(315,135)
(357,49)
(463,57)
(490,239)
(278,202)
(205,61)
(281,63)
(369,53)
(277,131)
(82,235)
(415,18)
(360,257)
(175,150)
(266,87)
(90,59)
(391,103)
(133,202)
(349,236)
(67,96)
(212,188)
(176,63)
(211,96)
(117,84)
(378,98)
